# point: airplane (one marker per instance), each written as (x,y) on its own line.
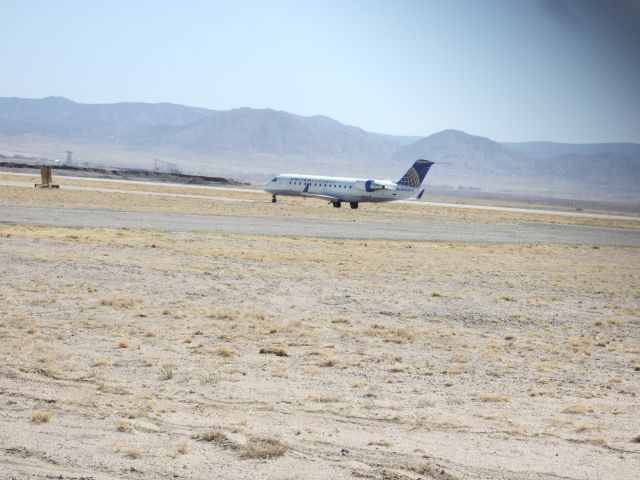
(353,190)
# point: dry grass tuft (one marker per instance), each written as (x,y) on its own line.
(277,351)
(329,362)
(34,331)
(636,439)
(133,453)
(41,417)
(265,448)
(182,448)
(392,334)
(123,303)
(398,368)
(124,344)
(578,408)
(428,470)
(150,332)
(583,427)
(225,314)
(340,320)
(217,437)
(166,372)
(494,398)
(380,443)
(101,362)
(124,427)
(323,398)
(109,387)
(225,351)
(600,440)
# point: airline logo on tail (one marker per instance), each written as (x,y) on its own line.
(415,175)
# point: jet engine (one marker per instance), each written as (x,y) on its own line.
(369,186)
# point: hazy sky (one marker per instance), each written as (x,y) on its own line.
(510,70)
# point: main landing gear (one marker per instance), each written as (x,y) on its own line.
(353,205)
(273,198)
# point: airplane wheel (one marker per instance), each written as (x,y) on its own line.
(337,204)
(353,205)
(273,199)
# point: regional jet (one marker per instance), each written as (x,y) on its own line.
(353,190)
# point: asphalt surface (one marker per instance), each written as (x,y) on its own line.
(355,229)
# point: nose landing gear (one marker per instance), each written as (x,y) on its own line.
(273,198)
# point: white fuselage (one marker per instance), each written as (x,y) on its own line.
(339,188)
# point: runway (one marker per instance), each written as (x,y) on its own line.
(525,232)
(209,188)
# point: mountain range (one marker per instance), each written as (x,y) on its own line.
(255,143)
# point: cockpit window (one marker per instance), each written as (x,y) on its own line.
(274,179)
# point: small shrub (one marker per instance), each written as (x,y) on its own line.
(264,448)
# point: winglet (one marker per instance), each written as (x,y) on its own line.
(419,197)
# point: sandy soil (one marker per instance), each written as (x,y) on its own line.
(144,354)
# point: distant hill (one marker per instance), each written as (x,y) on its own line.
(460,151)
(255,143)
(553,149)
(57,115)
(615,166)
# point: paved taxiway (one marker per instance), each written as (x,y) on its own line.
(354,229)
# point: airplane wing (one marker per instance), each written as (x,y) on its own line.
(305,193)
(320,196)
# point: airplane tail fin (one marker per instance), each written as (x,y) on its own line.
(415,175)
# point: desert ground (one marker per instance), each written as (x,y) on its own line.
(143,353)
